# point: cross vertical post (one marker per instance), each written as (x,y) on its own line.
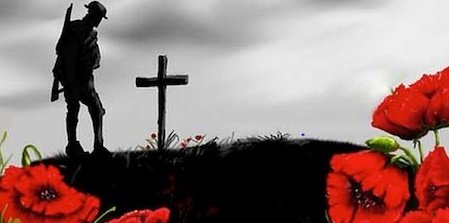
(162,73)
(161,81)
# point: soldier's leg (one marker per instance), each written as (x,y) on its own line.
(73,107)
(96,112)
(73,147)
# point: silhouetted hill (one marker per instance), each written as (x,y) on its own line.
(253,180)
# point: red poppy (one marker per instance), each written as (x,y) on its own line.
(441,216)
(427,85)
(364,187)
(437,114)
(198,137)
(430,84)
(402,113)
(432,181)
(436,89)
(160,215)
(417,217)
(38,194)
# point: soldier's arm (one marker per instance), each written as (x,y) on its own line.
(93,50)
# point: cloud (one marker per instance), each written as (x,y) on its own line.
(230,24)
(26,59)
(25,100)
(30,11)
(347,3)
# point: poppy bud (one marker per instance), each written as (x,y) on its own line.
(385,144)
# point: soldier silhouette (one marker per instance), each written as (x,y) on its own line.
(78,55)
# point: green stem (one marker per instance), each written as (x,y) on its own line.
(420,150)
(437,137)
(411,157)
(104,214)
(26,157)
(2,140)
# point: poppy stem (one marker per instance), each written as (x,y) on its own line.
(420,150)
(411,157)
(437,137)
(2,140)
(104,214)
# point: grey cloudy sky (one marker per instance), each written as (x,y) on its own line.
(317,67)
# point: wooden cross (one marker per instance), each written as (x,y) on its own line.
(161,81)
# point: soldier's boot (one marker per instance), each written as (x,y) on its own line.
(73,148)
(96,114)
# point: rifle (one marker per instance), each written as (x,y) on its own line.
(55,87)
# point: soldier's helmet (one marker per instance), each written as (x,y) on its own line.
(96,8)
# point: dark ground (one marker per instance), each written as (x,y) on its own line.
(256,180)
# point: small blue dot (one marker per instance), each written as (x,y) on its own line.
(302,134)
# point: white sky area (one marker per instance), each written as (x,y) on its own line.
(318,67)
